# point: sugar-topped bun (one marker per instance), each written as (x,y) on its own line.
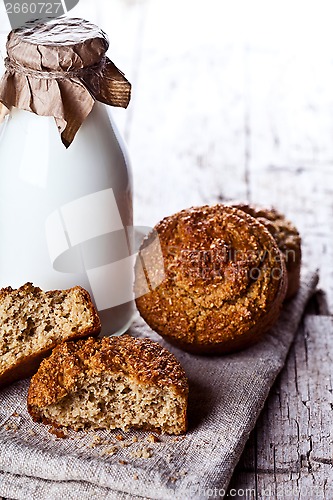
(224,284)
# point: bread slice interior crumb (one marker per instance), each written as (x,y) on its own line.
(112,400)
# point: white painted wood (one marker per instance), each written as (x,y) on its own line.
(291,448)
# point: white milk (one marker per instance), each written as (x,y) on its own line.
(66,215)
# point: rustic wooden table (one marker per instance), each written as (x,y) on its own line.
(234,100)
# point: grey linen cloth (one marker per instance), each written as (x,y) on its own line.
(227,394)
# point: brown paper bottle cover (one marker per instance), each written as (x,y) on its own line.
(59,69)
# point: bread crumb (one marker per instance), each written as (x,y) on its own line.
(123,462)
(11,427)
(178,438)
(31,432)
(142,453)
(95,441)
(135,477)
(126,444)
(135,439)
(15,414)
(153,439)
(119,437)
(109,451)
(59,433)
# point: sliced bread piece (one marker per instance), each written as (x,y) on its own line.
(113,382)
(32,322)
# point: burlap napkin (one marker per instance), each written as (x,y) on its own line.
(226,396)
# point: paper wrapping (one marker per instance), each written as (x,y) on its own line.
(59,69)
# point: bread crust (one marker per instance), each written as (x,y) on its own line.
(28,365)
(71,363)
(210,301)
(286,236)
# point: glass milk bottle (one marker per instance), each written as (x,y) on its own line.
(66,212)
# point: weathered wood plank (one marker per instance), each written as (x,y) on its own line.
(291,449)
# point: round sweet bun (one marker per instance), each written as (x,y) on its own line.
(286,236)
(109,383)
(224,279)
